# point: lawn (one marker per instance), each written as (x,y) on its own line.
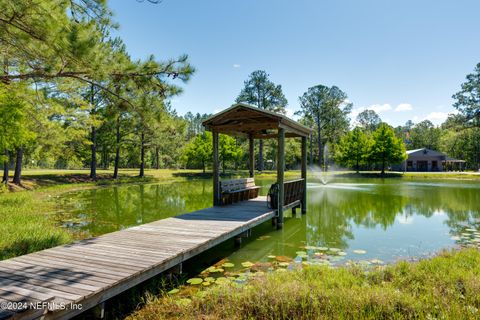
(444,287)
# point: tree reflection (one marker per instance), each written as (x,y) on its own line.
(333,211)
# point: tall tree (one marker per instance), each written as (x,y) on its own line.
(229,151)
(260,91)
(369,120)
(386,147)
(353,149)
(467,102)
(424,135)
(199,151)
(16,132)
(328,108)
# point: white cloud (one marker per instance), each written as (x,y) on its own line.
(236,65)
(404,107)
(290,113)
(437,117)
(405,219)
(379,108)
(356,111)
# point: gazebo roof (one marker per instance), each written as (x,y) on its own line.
(243,119)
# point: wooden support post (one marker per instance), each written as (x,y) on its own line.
(216,171)
(251,155)
(280,175)
(245,234)
(178,269)
(98,312)
(304,174)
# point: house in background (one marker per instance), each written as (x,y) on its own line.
(430,160)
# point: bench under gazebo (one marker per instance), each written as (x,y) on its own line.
(250,122)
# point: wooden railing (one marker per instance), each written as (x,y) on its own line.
(293,193)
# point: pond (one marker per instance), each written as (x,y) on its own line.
(379,220)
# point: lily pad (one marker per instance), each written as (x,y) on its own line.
(271,257)
(342,253)
(209,279)
(322,248)
(228,265)
(247,264)
(206,283)
(301,253)
(377,261)
(358,251)
(283,259)
(333,250)
(283,264)
(195,281)
(222,280)
(173,291)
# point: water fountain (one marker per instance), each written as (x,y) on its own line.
(321,173)
(324,176)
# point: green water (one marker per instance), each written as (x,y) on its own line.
(389,219)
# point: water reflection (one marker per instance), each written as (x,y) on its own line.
(98,211)
(387,218)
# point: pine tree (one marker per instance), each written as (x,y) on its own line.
(263,93)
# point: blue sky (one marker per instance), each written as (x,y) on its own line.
(403,59)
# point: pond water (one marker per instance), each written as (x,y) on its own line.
(364,219)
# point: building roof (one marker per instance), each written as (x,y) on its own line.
(243,120)
(429,152)
(448,159)
(426,151)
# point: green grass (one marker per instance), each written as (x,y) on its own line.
(444,287)
(28,224)
(467,175)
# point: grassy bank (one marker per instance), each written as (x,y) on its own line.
(28,224)
(410,175)
(444,287)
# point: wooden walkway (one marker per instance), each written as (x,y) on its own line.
(90,271)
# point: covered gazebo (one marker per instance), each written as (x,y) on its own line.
(253,123)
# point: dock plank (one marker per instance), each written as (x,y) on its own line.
(93,270)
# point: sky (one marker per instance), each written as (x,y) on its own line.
(403,59)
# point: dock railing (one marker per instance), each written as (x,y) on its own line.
(293,194)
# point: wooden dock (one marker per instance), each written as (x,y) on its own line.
(90,271)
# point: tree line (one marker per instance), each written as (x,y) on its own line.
(70,92)
(71,96)
(367,144)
